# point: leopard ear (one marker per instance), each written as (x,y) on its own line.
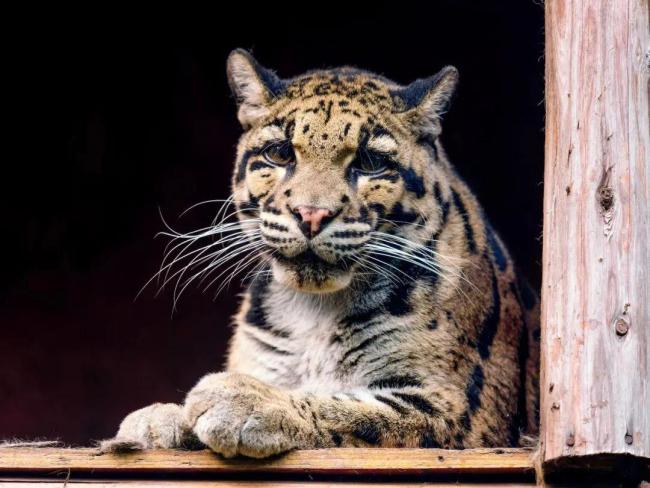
(424,101)
(253,86)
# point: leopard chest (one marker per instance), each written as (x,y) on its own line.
(315,362)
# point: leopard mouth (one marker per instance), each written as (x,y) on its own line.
(309,272)
(310,261)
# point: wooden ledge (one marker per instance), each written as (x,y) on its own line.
(336,462)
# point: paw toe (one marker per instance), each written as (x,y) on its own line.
(258,440)
(217,433)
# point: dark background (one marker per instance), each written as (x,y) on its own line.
(108,129)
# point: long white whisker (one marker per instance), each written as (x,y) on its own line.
(243,264)
(380,267)
(235,265)
(444,272)
(241,244)
(183,255)
(214,265)
(230,241)
(179,288)
(416,247)
(222,210)
(375,269)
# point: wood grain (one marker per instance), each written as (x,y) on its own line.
(321,461)
(240,484)
(595,290)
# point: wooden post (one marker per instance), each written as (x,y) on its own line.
(596,291)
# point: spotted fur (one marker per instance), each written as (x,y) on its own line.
(401,323)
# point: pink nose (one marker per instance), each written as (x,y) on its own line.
(312,218)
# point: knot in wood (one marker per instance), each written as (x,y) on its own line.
(606,198)
(621,326)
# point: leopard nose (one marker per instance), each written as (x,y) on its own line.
(312,219)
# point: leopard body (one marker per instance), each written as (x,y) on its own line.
(401,322)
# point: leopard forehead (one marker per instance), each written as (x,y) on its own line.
(364,88)
(328,114)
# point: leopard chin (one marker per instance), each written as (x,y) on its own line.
(309,273)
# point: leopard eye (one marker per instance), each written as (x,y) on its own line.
(371,163)
(279,153)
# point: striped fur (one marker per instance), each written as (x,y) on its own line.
(402,323)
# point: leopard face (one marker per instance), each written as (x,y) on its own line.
(333,161)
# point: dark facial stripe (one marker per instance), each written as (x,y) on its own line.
(289,129)
(412,181)
(380,130)
(378,208)
(258,165)
(392,404)
(419,402)
(474,388)
(400,216)
(250,208)
(469,231)
(491,322)
(392,177)
(350,233)
(241,167)
(279,240)
(401,381)
(343,247)
(275,226)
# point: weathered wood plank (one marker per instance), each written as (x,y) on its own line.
(320,461)
(596,291)
(241,484)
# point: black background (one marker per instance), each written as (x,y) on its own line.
(108,128)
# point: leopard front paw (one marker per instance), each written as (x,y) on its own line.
(161,425)
(237,414)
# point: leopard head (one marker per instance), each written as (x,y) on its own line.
(332,162)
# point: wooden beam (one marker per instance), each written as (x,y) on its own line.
(357,462)
(596,279)
(26,483)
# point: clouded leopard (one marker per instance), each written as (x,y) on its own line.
(382,309)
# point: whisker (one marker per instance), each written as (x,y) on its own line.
(214,266)
(205,202)
(180,288)
(198,254)
(376,265)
